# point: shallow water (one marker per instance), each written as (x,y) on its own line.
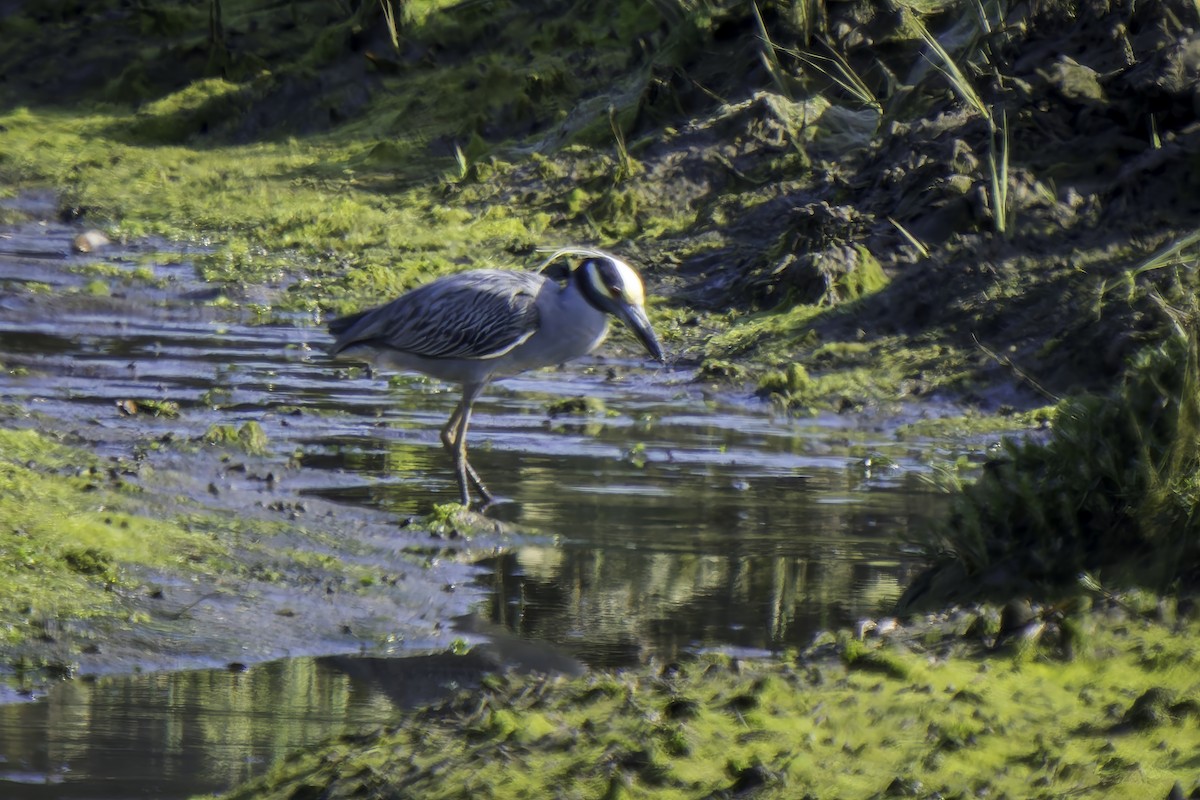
(180,734)
(729,529)
(675,522)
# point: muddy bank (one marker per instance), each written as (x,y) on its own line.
(976,217)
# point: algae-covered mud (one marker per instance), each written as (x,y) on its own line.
(149,522)
(885,717)
(848,210)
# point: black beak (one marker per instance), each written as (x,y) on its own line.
(635,317)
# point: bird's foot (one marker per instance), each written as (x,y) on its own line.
(490,502)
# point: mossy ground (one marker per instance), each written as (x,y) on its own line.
(69,534)
(1119,719)
(307,147)
(288,212)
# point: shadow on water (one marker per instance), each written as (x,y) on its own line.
(180,734)
(674,522)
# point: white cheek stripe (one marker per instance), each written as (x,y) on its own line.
(593,277)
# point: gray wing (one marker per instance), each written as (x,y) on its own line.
(479,314)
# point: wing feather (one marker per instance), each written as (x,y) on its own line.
(479,314)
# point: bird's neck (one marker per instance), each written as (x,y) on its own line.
(586,323)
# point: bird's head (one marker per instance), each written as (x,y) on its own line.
(612,286)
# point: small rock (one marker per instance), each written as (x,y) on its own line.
(1074,81)
(751,779)
(1017,617)
(1150,710)
(89,242)
(903,787)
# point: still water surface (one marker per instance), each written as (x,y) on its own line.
(180,734)
(675,522)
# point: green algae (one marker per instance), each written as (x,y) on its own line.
(267,210)
(86,543)
(249,437)
(971,424)
(140,275)
(843,375)
(578,406)
(69,533)
(1102,724)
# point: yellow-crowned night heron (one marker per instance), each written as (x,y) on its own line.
(472,326)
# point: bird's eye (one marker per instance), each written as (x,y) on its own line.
(609,276)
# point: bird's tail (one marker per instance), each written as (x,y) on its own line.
(340,326)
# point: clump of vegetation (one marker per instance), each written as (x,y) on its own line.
(579,406)
(88,560)
(860,656)
(1114,491)
(250,437)
(149,405)
(791,385)
(456,521)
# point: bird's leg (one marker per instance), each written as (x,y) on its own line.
(461,464)
(448,439)
(448,429)
(454,439)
